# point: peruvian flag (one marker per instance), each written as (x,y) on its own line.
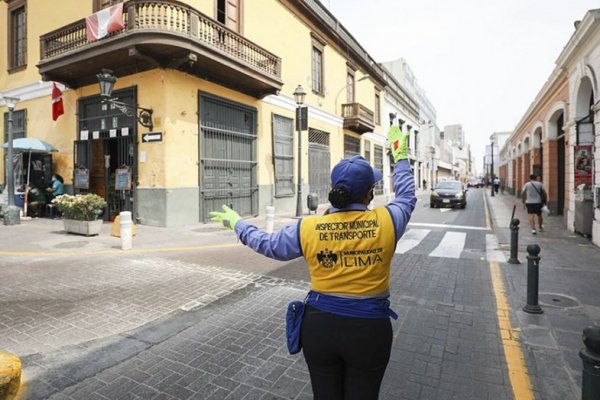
(57,102)
(104,22)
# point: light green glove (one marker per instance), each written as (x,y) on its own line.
(398,143)
(228,217)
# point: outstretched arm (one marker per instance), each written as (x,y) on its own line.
(402,206)
(282,245)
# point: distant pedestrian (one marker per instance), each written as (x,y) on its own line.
(424,184)
(496,184)
(534,197)
(346,334)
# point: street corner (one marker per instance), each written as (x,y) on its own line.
(10,376)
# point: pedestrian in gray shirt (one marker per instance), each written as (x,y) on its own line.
(534,197)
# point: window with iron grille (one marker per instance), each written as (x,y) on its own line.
(17,34)
(19,125)
(368,151)
(317,136)
(283,155)
(351,146)
(378,163)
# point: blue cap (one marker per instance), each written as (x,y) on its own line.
(356,175)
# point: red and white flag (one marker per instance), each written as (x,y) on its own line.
(104,22)
(57,102)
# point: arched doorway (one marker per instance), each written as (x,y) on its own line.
(583,178)
(556,151)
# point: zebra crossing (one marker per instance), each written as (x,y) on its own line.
(468,242)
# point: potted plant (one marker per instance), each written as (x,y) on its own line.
(80,212)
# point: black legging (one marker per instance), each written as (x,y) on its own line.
(346,357)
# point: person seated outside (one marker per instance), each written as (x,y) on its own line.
(57,189)
(36,202)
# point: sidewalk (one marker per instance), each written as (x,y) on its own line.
(569,278)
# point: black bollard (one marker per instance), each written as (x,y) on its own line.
(514,241)
(590,354)
(533,278)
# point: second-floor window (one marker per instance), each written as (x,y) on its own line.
(17,34)
(228,13)
(100,4)
(349,87)
(377,109)
(317,70)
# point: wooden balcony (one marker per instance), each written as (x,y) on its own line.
(161,34)
(358,118)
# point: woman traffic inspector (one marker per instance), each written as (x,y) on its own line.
(346,334)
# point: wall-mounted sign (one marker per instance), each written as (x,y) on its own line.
(81,178)
(123,178)
(583,166)
(152,137)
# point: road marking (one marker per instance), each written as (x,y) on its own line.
(411,239)
(491,249)
(443,210)
(114,251)
(451,246)
(487,212)
(517,369)
(476,228)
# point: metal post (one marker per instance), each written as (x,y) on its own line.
(514,241)
(126,230)
(12,212)
(590,354)
(492,169)
(299,199)
(533,277)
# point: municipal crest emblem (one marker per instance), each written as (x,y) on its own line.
(327,258)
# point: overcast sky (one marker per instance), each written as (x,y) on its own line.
(481,63)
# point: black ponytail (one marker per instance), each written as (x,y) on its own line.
(340,197)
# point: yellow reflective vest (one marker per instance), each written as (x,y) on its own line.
(349,252)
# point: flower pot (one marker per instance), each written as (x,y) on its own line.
(87,228)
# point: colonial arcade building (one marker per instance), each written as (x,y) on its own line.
(559,135)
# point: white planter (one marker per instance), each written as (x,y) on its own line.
(87,228)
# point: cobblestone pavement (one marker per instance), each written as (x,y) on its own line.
(91,322)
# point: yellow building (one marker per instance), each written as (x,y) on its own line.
(202,112)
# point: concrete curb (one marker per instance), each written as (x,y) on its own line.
(10,376)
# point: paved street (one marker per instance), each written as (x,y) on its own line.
(189,313)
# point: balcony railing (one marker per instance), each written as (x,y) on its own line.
(176,20)
(358,117)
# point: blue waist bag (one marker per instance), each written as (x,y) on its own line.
(293,324)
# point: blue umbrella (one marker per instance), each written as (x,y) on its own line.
(30,145)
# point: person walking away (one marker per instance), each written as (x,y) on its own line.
(533,195)
(496,184)
(346,333)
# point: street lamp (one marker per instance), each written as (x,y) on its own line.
(107,80)
(492,164)
(432,167)
(12,213)
(301,122)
